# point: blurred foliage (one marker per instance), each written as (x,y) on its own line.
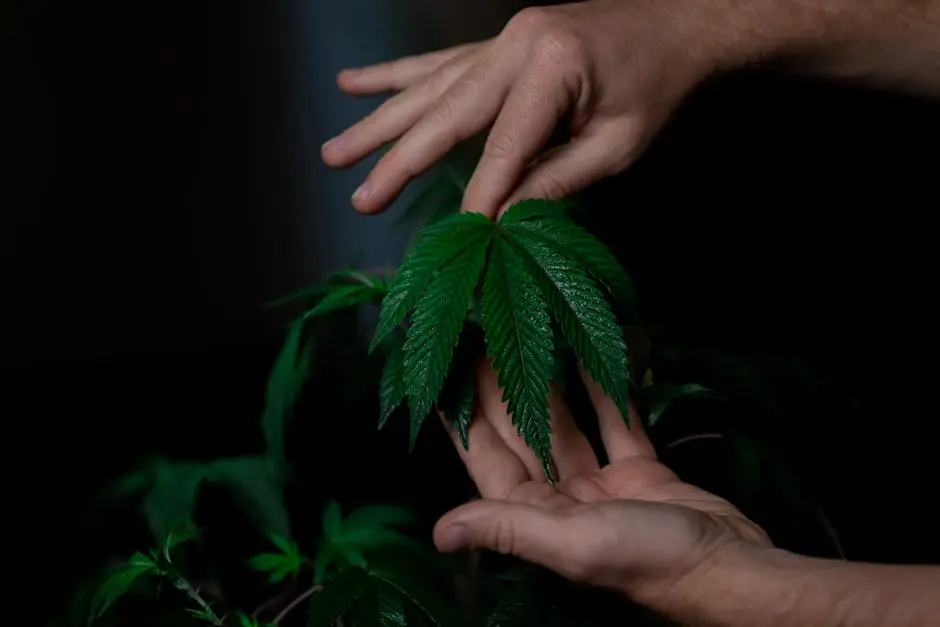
(364,568)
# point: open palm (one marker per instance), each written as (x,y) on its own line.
(631,525)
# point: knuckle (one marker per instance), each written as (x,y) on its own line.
(527,22)
(557,47)
(499,145)
(444,111)
(503,537)
(552,188)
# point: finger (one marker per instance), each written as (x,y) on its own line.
(553,540)
(396,75)
(497,415)
(494,468)
(600,150)
(571,450)
(466,108)
(524,125)
(391,120)
(620,442)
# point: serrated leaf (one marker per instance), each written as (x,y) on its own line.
(583,315)
(288,561)
(372,516)
(285,383)
(436,323)
(518,336)
(118,583)
(172,495)
(332,519)
(418,594)
(255,486)
(575,242)
(434,247)
(661,397)
(184,531)
(307,293)
(521,600)
(379,606)
(338,595)
(392,384)
(344,296)
(533,208)
(458,397)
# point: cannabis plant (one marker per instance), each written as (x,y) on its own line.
(533,292)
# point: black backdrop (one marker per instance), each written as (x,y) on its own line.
(774,214)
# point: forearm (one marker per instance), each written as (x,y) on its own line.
(890,43)
(774,588)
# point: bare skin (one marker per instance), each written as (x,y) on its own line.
(634,527)
(614,71)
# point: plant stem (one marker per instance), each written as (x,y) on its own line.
(192,593)
(303,597)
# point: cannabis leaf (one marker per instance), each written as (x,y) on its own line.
(434,246)
(288,561)
(530,209)
(371,528)
(418,594)
(436,323)
(119,582)
(291,369)
(519,341)
(458,397)
(167,490)
(392,385)
(584,316)
(661,397)
(537,266)
(365,289)
(338,595)
(575,242)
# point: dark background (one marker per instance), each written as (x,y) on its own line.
(164,185)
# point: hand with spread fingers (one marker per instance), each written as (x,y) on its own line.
(631,525)
(612,70)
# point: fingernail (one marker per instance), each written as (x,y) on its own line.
(331,143)
(362,192)
(454,537)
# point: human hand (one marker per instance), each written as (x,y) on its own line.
(613,69)
(631,526)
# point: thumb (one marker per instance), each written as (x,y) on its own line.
(530,533)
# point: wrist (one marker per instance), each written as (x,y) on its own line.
(738,33)
(740,583)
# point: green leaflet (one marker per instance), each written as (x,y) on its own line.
(458,397)
(526,210)
(583,314)
(519,340)
(417,593)
(347,542)
(339,594)
(288,561)
(661,397)
(436,323)
(392,384)
(346,296)
(119,582)
(435,246)
(379,607)
(590,253)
